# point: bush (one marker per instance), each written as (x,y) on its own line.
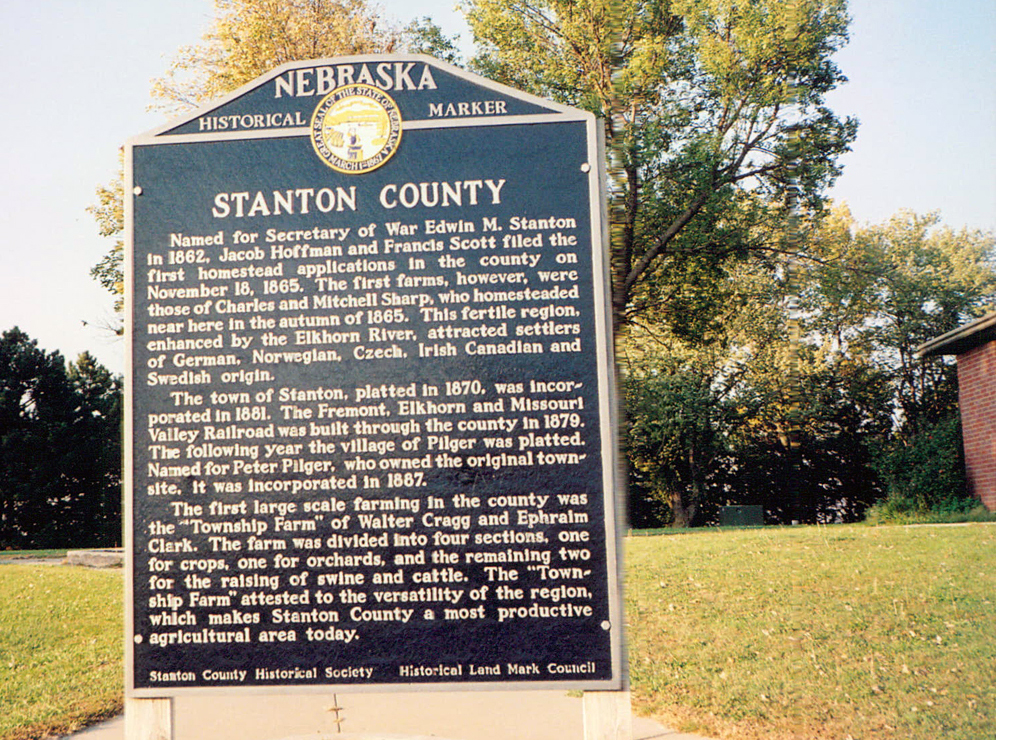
(925,475)
(895,511)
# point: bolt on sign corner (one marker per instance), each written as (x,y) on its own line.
(371,435)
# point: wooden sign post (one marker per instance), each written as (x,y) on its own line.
(371,437)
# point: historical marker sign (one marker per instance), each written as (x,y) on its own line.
(371,425)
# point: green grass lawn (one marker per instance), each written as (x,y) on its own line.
(13,556)
(60,649)
(812,632)
(775,633)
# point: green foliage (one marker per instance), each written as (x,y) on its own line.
(796,443)
(93,461)
(423,36)
(885,289)
(675,447)
(810,399)
(108,211)
(246,39)
(924,280)
(250,37)
(803,452)
(713,111)
(894,511)
(925,472)
(59,448)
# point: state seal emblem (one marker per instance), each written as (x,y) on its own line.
(356,128)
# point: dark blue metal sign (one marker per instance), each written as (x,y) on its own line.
(371,426)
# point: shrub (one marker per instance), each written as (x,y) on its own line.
(925,475)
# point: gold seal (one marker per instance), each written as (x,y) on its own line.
(356,128)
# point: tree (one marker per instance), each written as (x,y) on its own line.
(714,114)
(717,135)
(813,402)
(762,414)
(423,36)
(927,279)
(247,39)
(675,443)
(930,279)
(59,448)
(924,471)
(250,37)
(92,464)
(805,449)
(34,403)
(109,214)
(682,384)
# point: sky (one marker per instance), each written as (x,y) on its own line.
(77,75)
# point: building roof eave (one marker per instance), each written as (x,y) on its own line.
(961,339)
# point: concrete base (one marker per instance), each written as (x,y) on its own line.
(109,558)
(468,715)
(363,736)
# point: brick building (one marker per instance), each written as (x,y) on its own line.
(974,345)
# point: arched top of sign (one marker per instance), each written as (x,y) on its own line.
(417,90)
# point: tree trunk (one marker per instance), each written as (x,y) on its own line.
(683,513)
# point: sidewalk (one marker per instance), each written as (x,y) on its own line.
(471,715)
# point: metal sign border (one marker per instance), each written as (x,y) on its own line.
(612,479)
